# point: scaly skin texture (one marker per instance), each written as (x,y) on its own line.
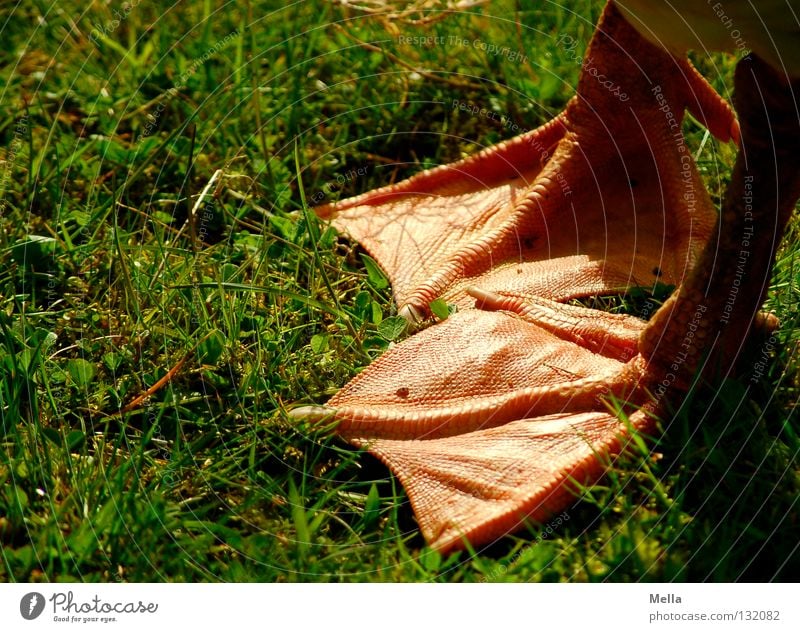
(487,417)
(603,197)
(729,283)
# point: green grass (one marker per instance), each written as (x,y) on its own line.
(104,288)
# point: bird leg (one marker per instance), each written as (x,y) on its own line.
(714,311)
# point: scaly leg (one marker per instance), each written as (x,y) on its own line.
(715,310)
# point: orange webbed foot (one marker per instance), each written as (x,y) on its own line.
(488,416)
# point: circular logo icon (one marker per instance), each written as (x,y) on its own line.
(31,605)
